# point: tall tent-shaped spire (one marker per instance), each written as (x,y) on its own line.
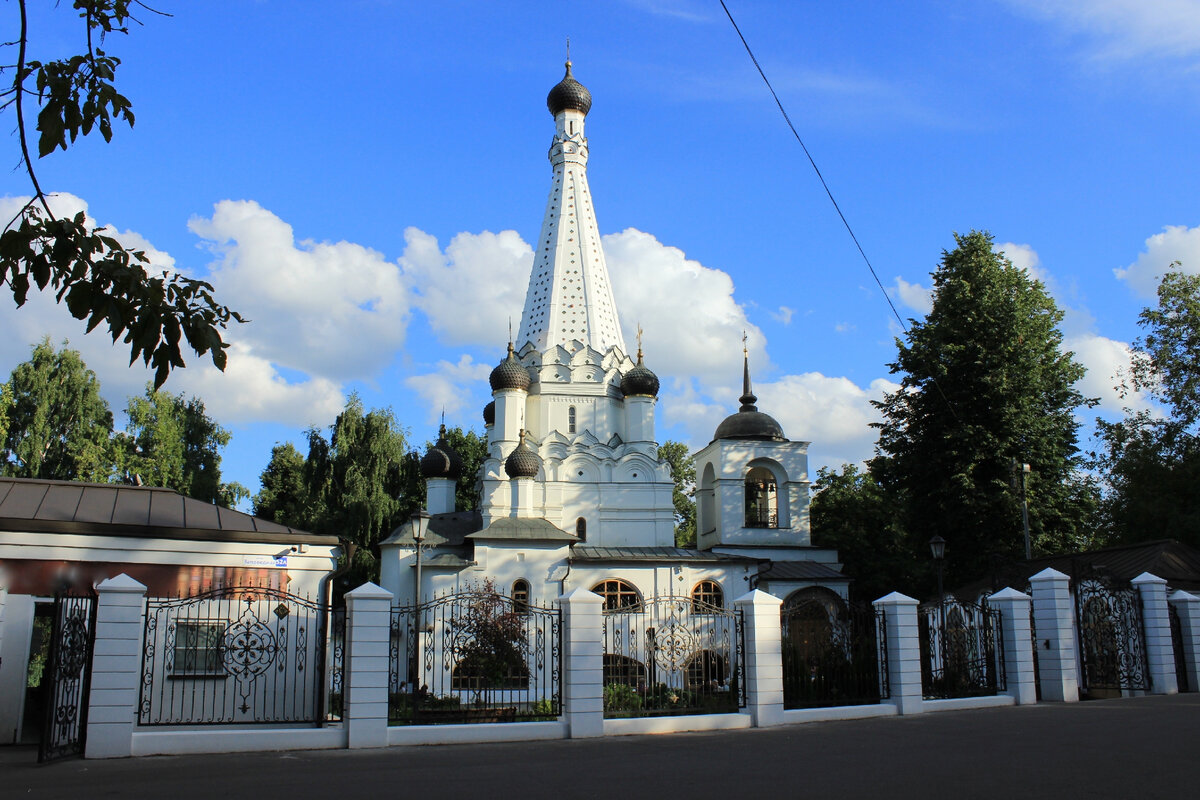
(570,295)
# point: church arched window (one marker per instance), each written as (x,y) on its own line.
(581,529)
(571,419)
(707,596)
(618,595)
(520,596)
(762,499)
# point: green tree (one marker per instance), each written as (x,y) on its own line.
(56,423)
(284,496)
(985,382)
(1151,462)
(851,512)
(683,472)
(98,278)
(171,441)
(354,481)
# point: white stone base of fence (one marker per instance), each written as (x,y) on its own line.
(683,724)
(966,703)
(476,734)
(796,716)
(241,740)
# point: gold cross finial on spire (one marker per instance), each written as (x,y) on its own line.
(745,349)
(568,49)
(639,340)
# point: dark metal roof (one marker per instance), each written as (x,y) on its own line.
(509,374)
(659,554)
(537,530)
(441,460)
(569,93)
(444,529)
(1174,561)
(801,571)
(639,380)
(68,507)
(522,462)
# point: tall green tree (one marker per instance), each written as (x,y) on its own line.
(284,496)
(683,473)
(171,441)
(56,423)
(354,480)
(1151,461)
(472,448)
(99,279)
(985,381)
(851,512)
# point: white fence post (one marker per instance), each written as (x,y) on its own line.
(1017,653)
(1054,622)
(3,601)
(116,667)
(1187,606)
(764,657)
(583,659)
(903,652)
(368,625)
(1160,654)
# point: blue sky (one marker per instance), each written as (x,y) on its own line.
(362,180)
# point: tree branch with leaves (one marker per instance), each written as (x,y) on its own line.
(99,279)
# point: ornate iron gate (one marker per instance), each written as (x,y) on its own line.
(69,674)
(1181,676)
(962,648)
(1112,638)
(673,655)
(833,654)
(474,656)
(235,655)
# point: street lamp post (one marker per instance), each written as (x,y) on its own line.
(418,526)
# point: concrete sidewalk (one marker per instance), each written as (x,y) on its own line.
(1147,747)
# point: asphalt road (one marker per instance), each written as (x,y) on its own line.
(1147,747)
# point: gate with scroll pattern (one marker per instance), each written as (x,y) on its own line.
(68,676)
(234,655)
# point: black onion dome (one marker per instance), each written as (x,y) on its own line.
(489,413)
(569,93)
(522,462)
(441,460)
(749,422)
(639,380)
(509,374)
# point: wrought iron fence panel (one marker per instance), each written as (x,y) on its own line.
(832,654)
(1181,676)
(1037,646)
(232,656)
(1112,637)
(472,657)
(67,681)
(335,657)
(962,649)
(673,655)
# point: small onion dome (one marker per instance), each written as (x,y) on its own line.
(441,460)
(489,413)
(569,93)
(509,374)
(522,462)
(749,422)
(639,381)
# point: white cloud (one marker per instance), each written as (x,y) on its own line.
(332,310)
(693,326)
(918,298)
(449,386)
(1175,243)
(1025,257)
(1107,363)
(470,292)
(1127,29)
(783,315)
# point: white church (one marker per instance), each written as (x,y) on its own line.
(573,494)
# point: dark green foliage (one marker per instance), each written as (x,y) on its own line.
(851,512)
(283,497)
(55,422)
(171,441)
(472,448)
(985,381)
(1152,462)
(97,277)
(683,472)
